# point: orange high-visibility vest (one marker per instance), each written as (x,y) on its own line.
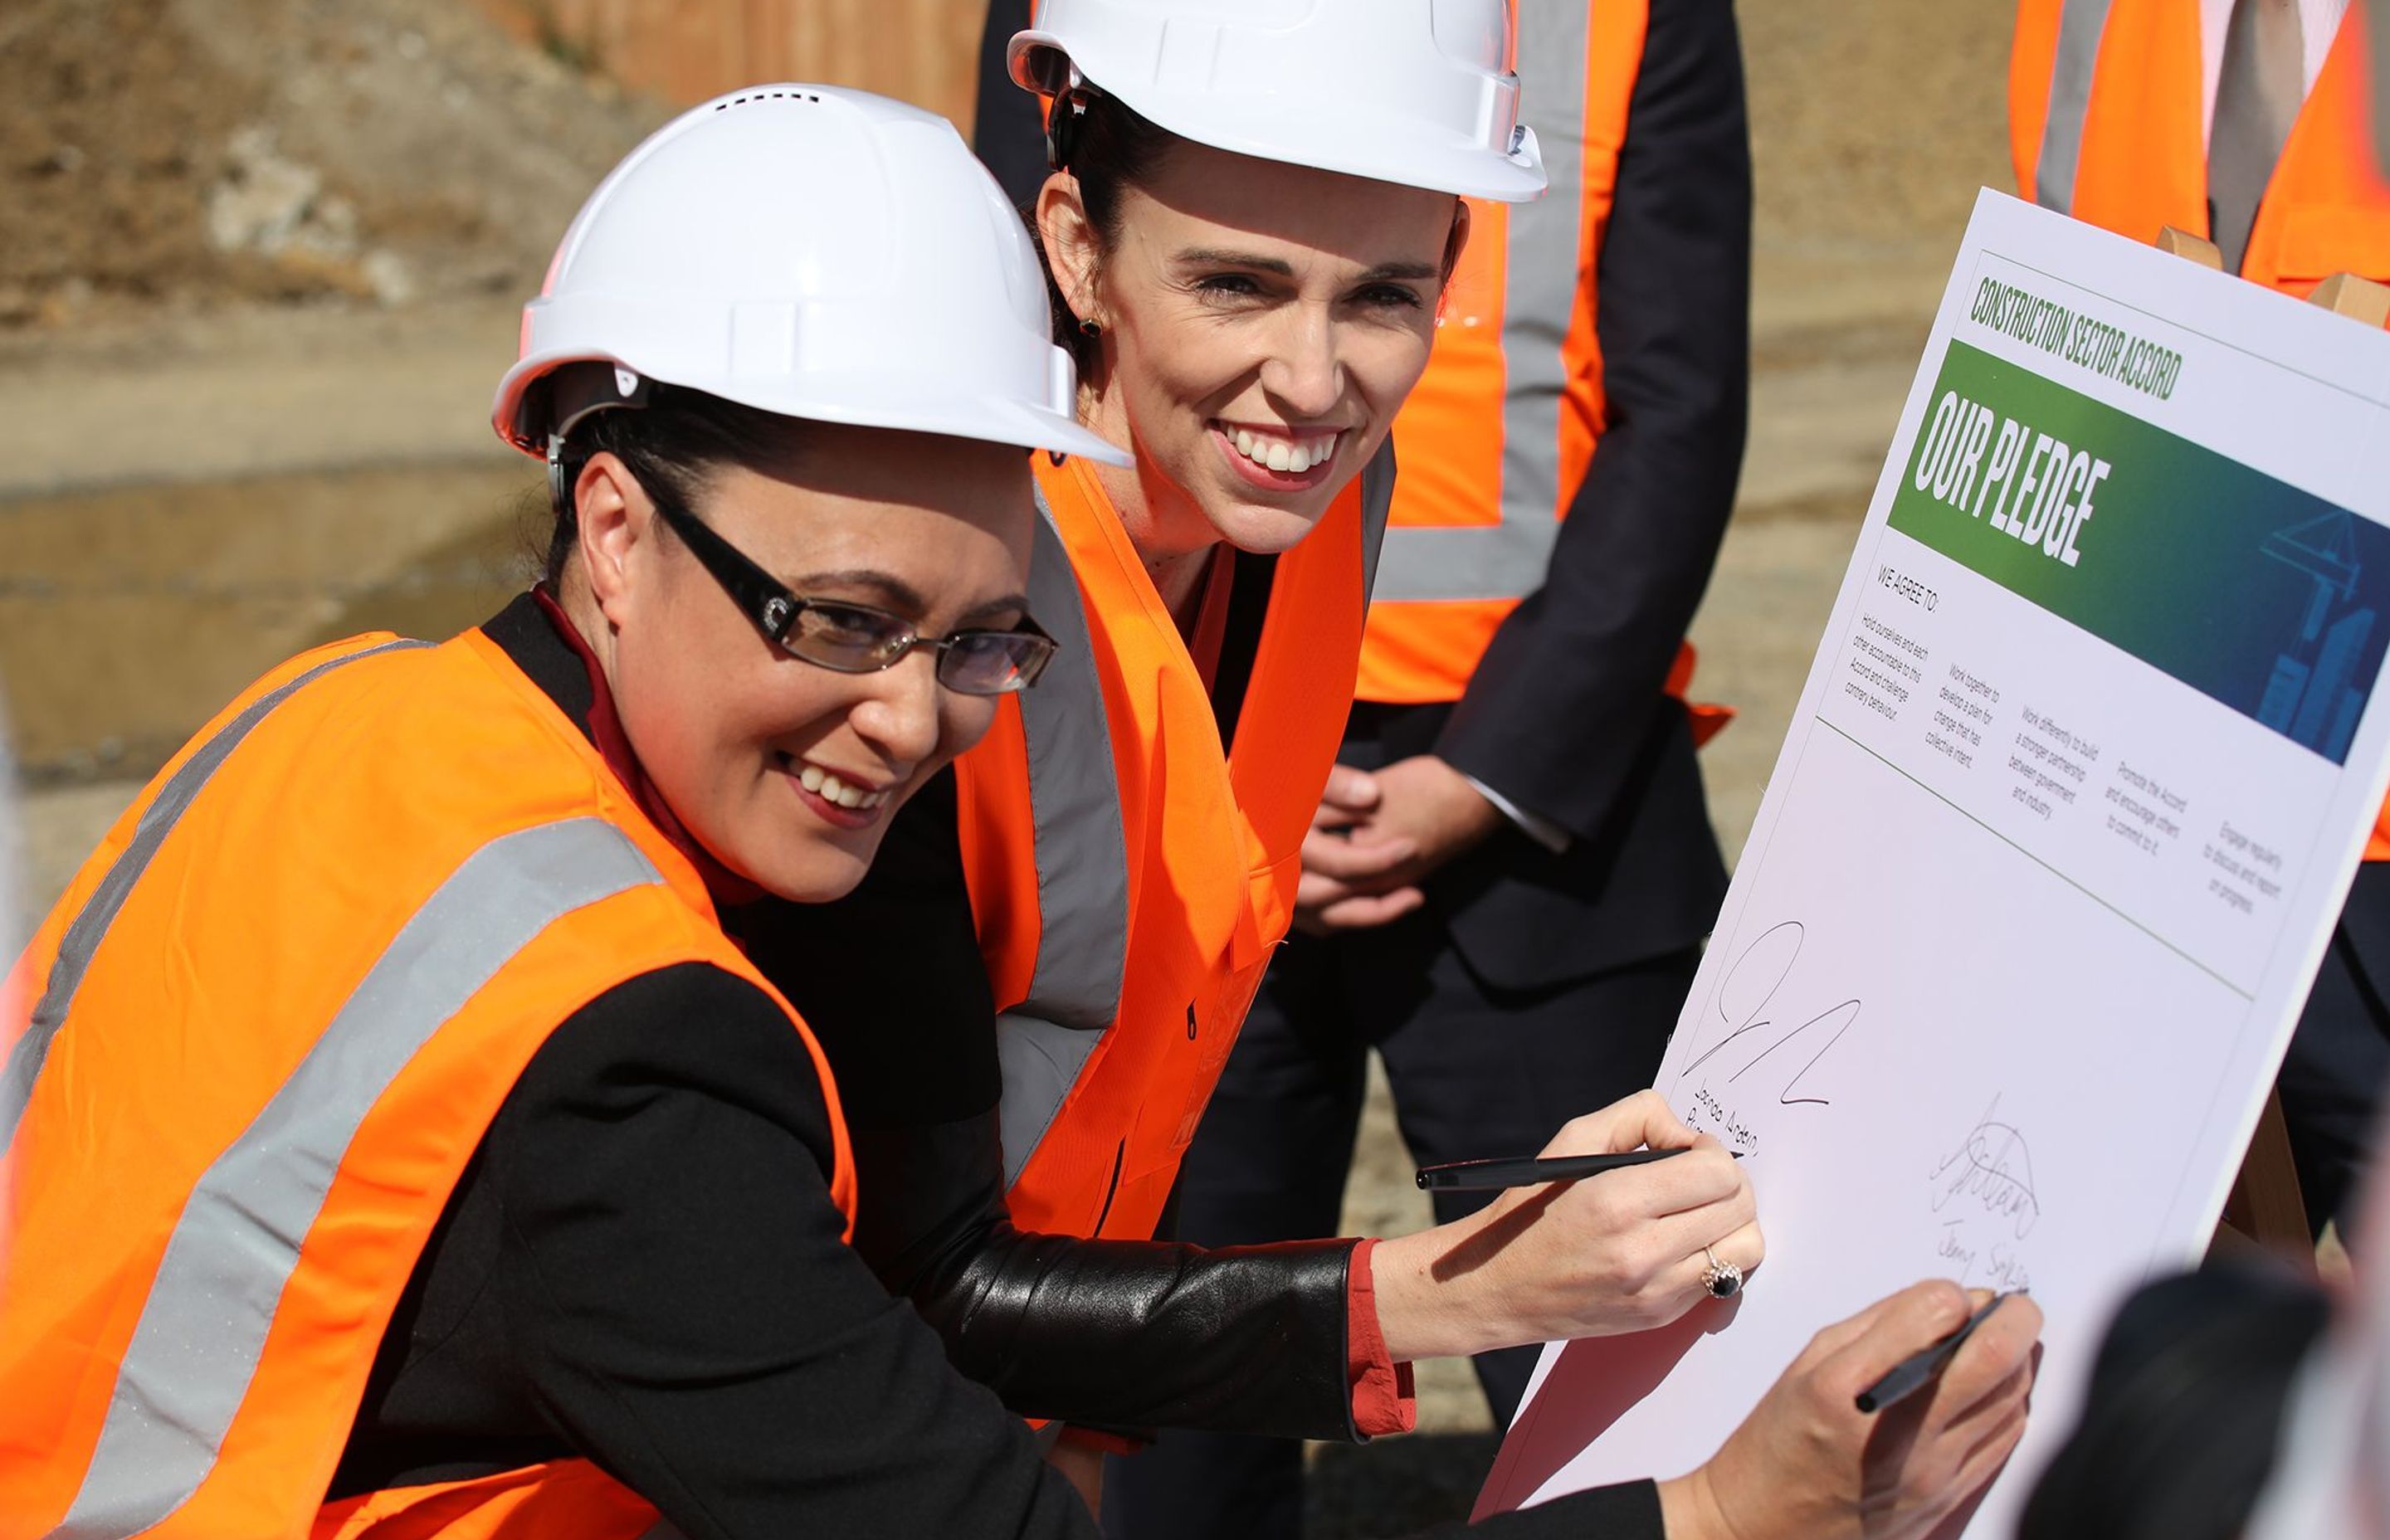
(1129,879)
(2104,123)
(1497,436)
(266,1027)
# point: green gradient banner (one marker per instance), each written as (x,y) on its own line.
(2263,597)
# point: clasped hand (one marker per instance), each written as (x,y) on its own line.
(1378,834)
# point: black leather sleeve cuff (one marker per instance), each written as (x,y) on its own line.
(1140,1335)
(1127,1336)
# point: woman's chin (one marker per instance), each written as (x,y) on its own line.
(1266,529)
(819,874)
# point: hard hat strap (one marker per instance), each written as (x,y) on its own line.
(1066,113)
(579,390)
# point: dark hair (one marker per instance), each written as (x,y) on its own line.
(1109,147)
(674,445)
(2184,1412)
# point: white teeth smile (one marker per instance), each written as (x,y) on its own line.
(830,789)
(1294,455)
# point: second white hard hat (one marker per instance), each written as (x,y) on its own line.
(814,251)
(1417,92)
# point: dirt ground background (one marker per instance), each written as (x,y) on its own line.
(259,261)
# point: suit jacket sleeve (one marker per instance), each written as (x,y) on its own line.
(1568,690)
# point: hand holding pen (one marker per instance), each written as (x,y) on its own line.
(1914,1460)
(1633,1247)
(1722,1278)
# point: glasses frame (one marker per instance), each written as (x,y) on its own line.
(773,608)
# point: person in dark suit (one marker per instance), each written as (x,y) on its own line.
(1512,871)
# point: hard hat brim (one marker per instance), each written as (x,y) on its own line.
(905,403)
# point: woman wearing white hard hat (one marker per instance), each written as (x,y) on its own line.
(364,1101)
(1251,219)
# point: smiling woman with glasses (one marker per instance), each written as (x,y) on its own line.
(395,1143)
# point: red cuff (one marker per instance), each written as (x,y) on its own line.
(1383,1399)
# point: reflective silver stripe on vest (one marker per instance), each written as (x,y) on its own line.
(90,927)
(1075,986)
(2080,24)
(203,1328)
(1377,502)
(1508,559)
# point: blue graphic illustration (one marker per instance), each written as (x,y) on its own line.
(2312,699)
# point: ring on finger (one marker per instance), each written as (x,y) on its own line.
(1723,1279)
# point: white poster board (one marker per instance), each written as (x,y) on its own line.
(2073,796)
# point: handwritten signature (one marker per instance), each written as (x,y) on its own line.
(1708,1109)
(1993,1168)
(1744,995)
(2003,1266)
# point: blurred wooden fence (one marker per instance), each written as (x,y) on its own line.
(925,51)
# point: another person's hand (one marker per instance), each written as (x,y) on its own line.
(1625,1250)
(1378,835)
(1348,865)
(1808,1465)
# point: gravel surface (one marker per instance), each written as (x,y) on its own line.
(194,154)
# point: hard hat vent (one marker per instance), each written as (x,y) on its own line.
(767,96)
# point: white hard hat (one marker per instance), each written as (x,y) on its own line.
(1418,92)
(813,252)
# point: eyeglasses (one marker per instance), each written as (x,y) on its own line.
(855,639)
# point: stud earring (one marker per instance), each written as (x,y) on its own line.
(1091,328)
